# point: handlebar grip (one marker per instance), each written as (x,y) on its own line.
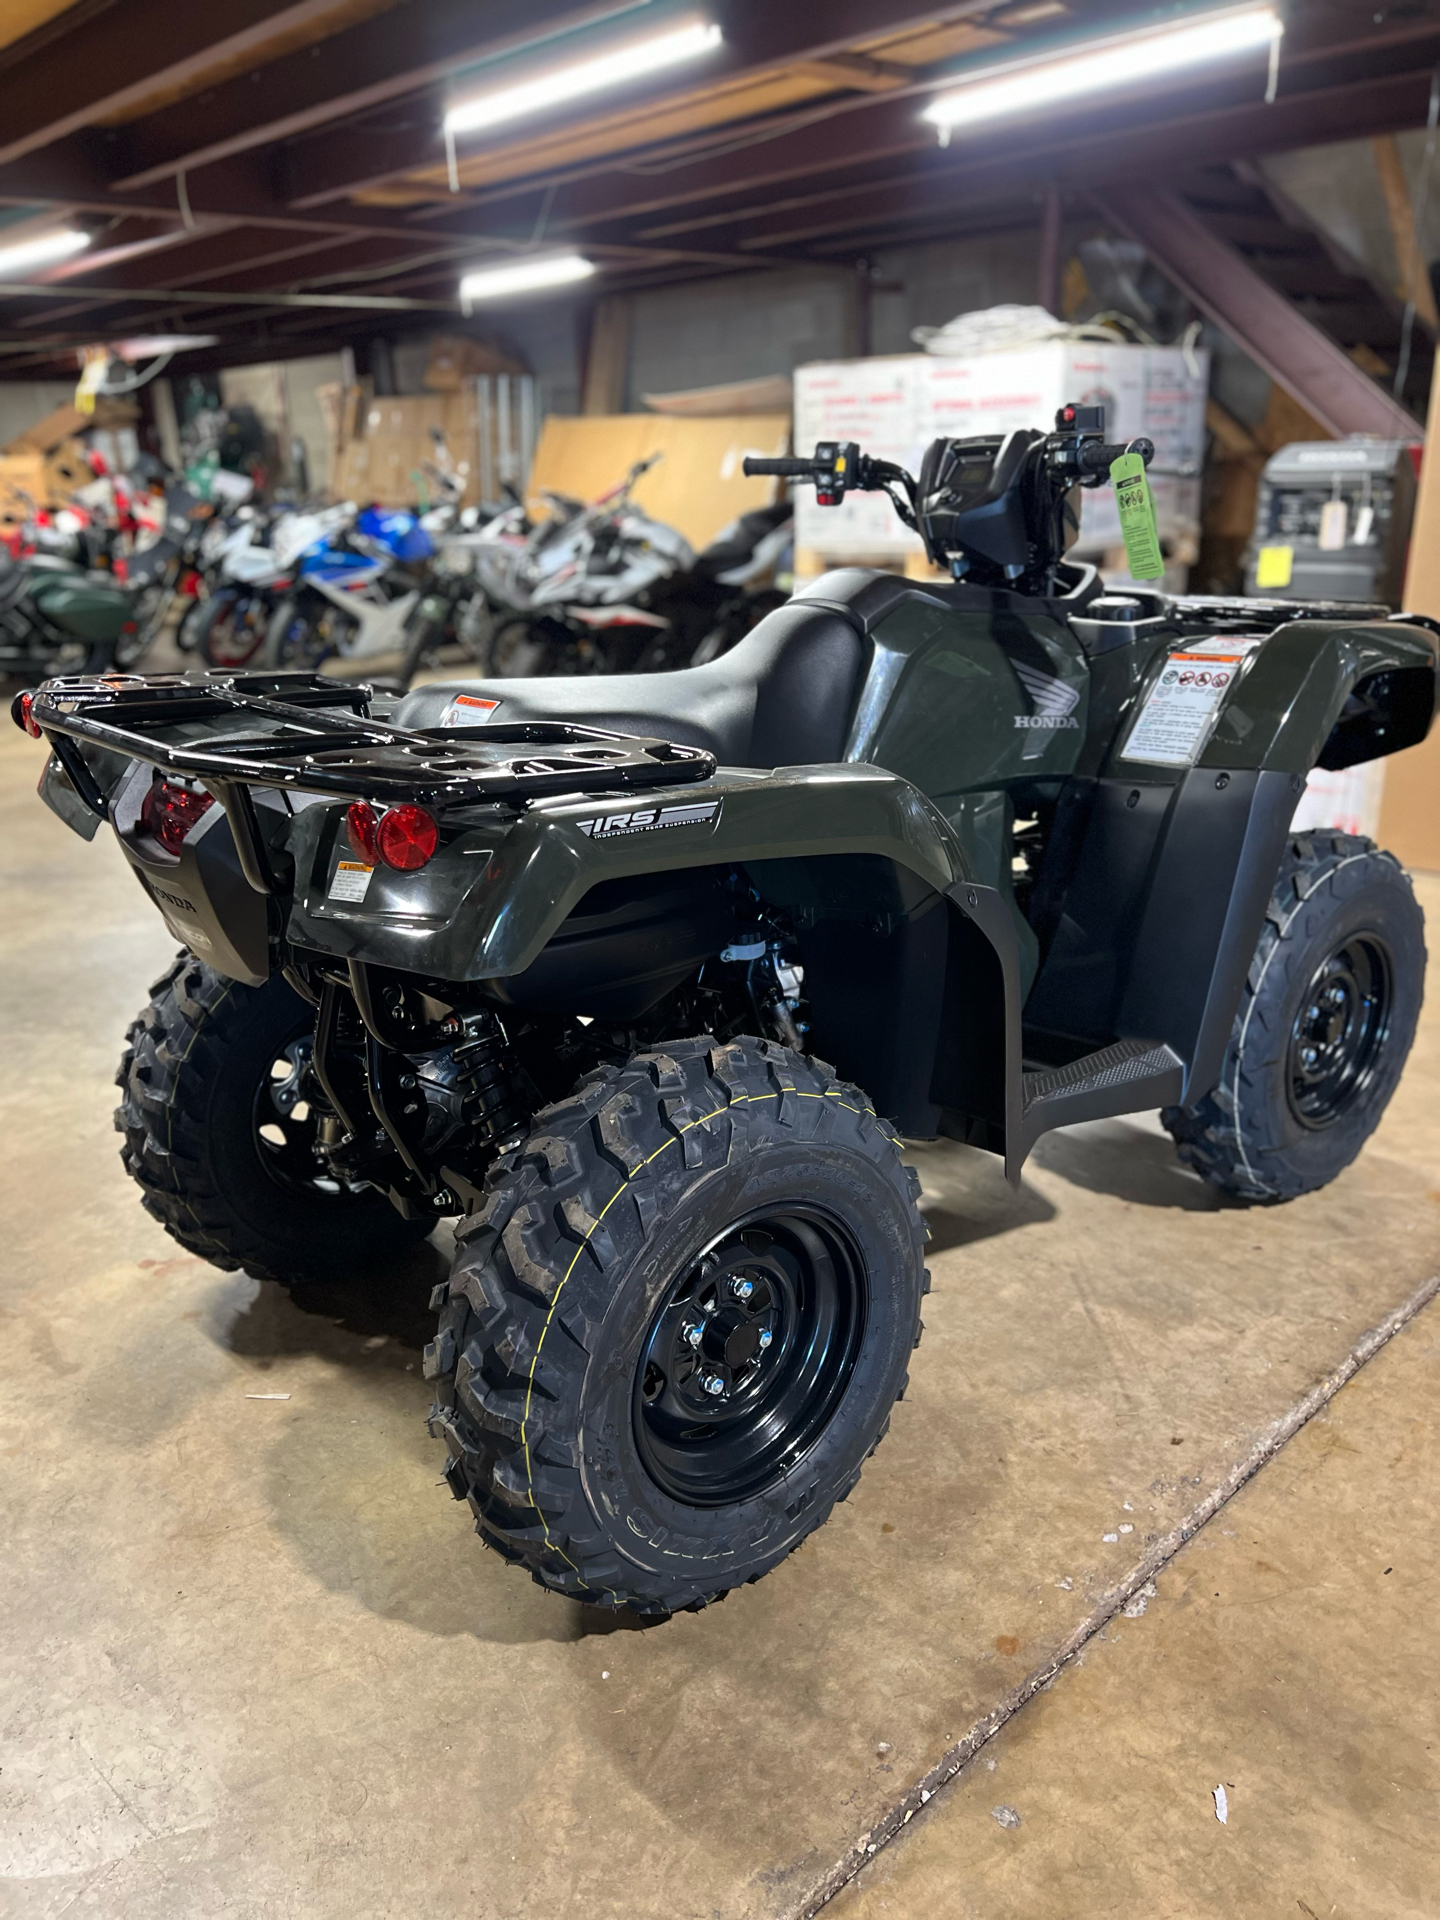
(789,467)
(1097,457)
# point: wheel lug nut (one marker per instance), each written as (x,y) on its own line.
(742,1289)
(713,1383)
(692,1334)
(766,1336)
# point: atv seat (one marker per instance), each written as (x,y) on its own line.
(782,697)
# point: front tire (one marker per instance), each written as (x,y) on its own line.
(679,1324)
(1323,1029)
(519,650)
(231,630)
(219,1118)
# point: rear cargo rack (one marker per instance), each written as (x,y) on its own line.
(285,731)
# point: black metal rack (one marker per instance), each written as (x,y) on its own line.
(302,742)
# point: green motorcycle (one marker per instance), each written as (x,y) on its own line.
(570,959)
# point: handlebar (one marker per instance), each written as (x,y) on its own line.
(788,468)
(1097,456)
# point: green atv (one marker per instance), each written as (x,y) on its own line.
(567,960)
(59,618)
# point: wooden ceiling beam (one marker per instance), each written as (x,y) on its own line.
(757,40)
(117,57)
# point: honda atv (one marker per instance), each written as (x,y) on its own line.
(568,960)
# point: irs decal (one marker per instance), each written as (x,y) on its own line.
(608,826)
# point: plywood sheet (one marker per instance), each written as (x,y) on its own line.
(697,486)
(19,17)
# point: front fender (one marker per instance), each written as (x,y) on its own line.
(1290,703)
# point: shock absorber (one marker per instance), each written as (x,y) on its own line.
(484,1074)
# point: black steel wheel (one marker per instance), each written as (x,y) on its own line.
(1323,1028)
(679,1323)
(749,1354)
(220,1116)
(1339,1034)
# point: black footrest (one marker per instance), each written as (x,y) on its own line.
(1095,1072)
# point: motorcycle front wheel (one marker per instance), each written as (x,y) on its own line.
(231,630)
(519,650)
(299,636)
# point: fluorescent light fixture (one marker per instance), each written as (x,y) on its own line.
(613,69)
(1105,66)
(43,250)
(524,276)
(145,346)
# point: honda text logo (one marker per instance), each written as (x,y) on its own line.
(1055,703)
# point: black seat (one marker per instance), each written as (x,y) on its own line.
(782,697)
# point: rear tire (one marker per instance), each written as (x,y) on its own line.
(576,1352)
(218,1145)
(1323,1029)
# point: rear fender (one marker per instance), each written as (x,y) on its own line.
(498,891)
(881,977)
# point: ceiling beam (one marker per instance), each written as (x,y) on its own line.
(422,47)
(362,67)
(118,58)
(876,129)
(1158,149)
(1307,363)
(224,296)
(757,40)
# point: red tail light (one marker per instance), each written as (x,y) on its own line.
(360,825)
(168,813)
(402,837)
(406,838)
(27,718)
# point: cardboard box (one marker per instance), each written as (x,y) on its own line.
(63,423)
(456,358)
(22,487)
(896,406)
(387,443)
(697,487)
(66,470)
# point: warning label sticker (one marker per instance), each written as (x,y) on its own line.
(352,877)
(1184,703)
(468,710)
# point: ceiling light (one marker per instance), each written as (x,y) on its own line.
(146,345)
(524,276)
(613,69)
(1104,66)
(42,250)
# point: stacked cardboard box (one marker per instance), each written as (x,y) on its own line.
(896,406)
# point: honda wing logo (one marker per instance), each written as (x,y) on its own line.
(1055,703)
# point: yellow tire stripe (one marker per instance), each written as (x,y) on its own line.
(745,1099)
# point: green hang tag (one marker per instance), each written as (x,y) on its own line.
(1137,517)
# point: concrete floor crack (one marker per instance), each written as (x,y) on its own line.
(959,1756)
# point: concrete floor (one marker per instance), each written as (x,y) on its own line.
(253,1662)
(1287,1655)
